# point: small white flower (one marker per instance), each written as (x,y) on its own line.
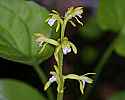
(52,79)
(51,21)
(66,50)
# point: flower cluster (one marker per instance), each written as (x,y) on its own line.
(71,13)
(51,80)
(55,17)
(83,79)
(63,46)
(67,45)
(74,13)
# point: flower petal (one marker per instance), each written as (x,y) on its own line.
(81,87)
(73,47)
(83,84)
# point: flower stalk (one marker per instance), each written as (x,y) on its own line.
(62,47)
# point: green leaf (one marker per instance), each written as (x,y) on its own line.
(16,90)
(111,14)
(120,44)
(118,96)
(18,21)
(111,17)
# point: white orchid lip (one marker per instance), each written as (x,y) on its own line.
(51,21)
(79,15)
(83,82)
(66,50)
(52,79)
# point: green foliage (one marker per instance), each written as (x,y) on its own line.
(118,96)
(120,45)
(111,14)
(111,17)
(19,19)
(91,29)
(16,90)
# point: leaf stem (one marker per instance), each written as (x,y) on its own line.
(43,79)
(102,62)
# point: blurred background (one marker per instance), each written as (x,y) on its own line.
(92,43)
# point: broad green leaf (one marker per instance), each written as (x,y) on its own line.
(111,14)
(16,90)
(19,19)
(111,17)
(118,96)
